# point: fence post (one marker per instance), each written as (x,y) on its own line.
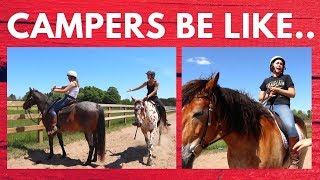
(109,115)
(124,119)
(40,132)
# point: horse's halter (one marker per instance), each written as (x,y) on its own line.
(213,101)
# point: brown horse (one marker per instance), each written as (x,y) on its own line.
(84,116)
(247,127)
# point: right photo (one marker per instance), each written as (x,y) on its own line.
(246,108)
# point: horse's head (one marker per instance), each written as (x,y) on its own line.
(31,99)
(139,109)
(199,127)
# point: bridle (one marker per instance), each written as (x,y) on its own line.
(213,101)
(28,111)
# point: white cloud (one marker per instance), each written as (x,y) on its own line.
(199,60)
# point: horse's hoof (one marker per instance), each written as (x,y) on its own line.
(94,160)
(63,156)
(149,163)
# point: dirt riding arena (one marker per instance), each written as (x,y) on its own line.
(121,152)
(209,160)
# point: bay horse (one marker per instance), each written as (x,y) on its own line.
(146,113)
(83,116)
(247,127)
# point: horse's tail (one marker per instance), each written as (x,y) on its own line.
(101,144)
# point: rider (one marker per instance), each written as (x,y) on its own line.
(152,87)
(71,92)
(277,91)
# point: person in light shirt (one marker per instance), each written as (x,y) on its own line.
(70,91)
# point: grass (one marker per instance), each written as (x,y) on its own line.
(20,143)
(20,111)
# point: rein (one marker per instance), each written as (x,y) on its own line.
(28,112)
(208,123)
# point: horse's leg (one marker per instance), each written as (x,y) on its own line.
(146,138)
(95,143)
(64,154)
(150,147)
(51,136)
(89,138)
(160,132)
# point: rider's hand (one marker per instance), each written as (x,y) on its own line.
(302,144)
(54,87)
(275,89)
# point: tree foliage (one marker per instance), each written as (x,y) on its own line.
(94,94)
(302,115)
(12,97)
(111,96)
(90,93)
(169,101)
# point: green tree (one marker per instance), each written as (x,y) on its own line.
(12,97)
(169,101)
(112,96)
(54,96)
(126,101)
(90,93)
(309,114)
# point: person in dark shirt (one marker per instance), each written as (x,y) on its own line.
(277,90)
(152,87)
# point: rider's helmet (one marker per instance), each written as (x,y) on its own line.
(273,59)
(72,73)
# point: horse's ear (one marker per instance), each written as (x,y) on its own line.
(30,89)
(133,99)
(212,83)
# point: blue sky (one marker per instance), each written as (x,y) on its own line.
(123,68)
(246,68)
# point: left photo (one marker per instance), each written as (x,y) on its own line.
(112,108)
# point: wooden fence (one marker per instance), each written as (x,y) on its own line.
(122,112)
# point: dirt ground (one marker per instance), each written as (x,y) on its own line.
(122,151)
(219,161)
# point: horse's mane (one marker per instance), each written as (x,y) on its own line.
(237,111)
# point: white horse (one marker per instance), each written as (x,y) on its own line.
(146,113)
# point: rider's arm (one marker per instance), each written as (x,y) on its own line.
(291,93)
(142,85)
(261,96)
(64,89)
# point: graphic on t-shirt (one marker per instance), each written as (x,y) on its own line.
(278,84)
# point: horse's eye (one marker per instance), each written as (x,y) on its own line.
(197,114)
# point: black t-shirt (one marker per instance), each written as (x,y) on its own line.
(151,88)
(282,82)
